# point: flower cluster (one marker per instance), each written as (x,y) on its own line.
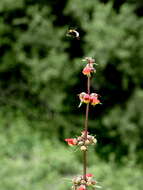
(80,183)
(89,98)
(89,68)
(83,141)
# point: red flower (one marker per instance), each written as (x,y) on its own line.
(82,187)
(88,70)
(94,99)
(71,142)
(84,98)
(89,175)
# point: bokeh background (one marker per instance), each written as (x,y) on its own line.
(40,77)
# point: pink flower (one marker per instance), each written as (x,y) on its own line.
(81,96)
(87,70)
(89,175)
(84,98)
(71,142)
(94,99)
(82,187)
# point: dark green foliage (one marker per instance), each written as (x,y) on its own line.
(40,79)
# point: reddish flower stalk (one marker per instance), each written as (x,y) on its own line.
(84,181)
(86,131)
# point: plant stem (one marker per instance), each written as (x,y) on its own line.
(86,131)
(88,85)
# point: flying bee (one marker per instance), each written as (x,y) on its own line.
(73,33)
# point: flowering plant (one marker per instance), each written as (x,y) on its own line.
(85,181)
(83,141)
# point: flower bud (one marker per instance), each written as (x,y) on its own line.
(79,138)
(87,142)
(81,143)
(90,60)
(92,137)
(93,182)
(89,137)
(83,148)
(88,183)
(77,180)
(83,182)
(94,140)
(83,133)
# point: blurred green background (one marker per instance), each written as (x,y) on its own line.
(40,77)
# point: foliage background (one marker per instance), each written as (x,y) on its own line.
(39,82)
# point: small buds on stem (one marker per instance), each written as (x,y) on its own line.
(81,141)
(82,183)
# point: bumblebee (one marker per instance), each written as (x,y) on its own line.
(73,33)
